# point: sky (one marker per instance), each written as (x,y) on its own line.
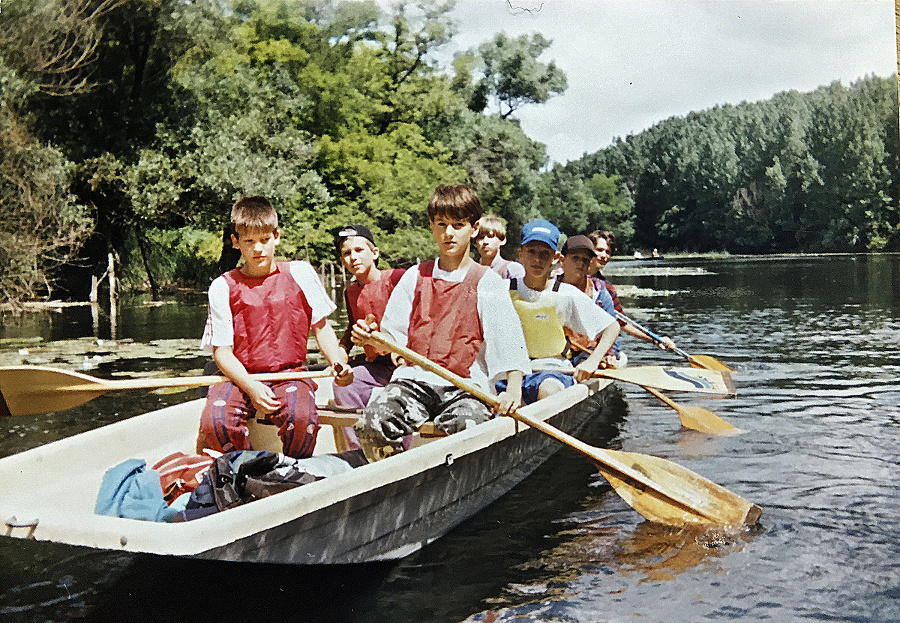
(633,63)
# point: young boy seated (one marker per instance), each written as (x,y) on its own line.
(547,312)
(259,320)
(367,295)
(578,262)
(491,235)
(458,314)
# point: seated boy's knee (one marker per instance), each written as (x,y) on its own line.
(550,386)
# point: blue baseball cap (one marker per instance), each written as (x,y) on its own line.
(541,230)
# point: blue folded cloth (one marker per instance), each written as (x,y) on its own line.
(131,490)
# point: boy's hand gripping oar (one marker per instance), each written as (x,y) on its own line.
(698,361)
(659,490)
(34,389)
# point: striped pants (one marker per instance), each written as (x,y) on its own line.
(223,424)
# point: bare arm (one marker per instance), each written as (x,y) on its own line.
(668,343)
(586,368)
(261,395)
(333,353)
(510,400)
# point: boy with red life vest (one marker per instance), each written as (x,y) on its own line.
(260,317)
(458,314)
(366,296)
(578,260)
(548,312)
(490,237)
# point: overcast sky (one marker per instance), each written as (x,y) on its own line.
(632,63)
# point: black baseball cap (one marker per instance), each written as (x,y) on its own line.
(348,231)
(578,243)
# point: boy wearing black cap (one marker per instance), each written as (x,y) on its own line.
(366,296)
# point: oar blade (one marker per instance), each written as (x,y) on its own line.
(708,362)
(29,390)
(674,379)
(705,421)
(688,499)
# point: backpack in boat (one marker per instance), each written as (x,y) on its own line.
(181,473)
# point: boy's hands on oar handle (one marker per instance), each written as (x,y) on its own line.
(261,396)
(361,334)
(511,399)
(343,373)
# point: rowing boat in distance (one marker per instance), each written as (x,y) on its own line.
(381,511)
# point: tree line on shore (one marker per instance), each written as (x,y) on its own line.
(130,126)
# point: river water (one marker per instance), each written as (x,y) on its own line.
(816,345)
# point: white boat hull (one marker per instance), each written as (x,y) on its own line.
(385,510)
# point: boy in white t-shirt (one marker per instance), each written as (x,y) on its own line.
(549,312)
(458,314)
(260,317)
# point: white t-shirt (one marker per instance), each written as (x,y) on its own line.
(576,311)
(503,349)
(512,270)
(219,330)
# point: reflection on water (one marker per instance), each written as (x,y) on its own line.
(816,342)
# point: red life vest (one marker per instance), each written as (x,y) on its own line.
(271,319)
(371,298)
(444,325)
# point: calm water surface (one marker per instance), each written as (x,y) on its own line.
(816,342)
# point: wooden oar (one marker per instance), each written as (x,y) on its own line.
(659,490)
(673,379)
(698,361)
(663,378)
(34,389)
(696,418)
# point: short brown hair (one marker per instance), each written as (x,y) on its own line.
(490,225)
(606,235)
(254,213)
(455,201)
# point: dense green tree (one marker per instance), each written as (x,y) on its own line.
(41,224)
(513,76)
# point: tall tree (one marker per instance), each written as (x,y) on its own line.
(513,75)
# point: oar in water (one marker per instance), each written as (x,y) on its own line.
(34,389)
(698,361)
(696,418)
(658,489)
(673,379)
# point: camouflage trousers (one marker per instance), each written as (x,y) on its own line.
(397,411)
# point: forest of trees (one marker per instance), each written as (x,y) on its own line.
(129,127)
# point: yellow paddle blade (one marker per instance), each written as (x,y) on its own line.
(709,363)
(681,497)
(30,390)
(705,421)
(698,418)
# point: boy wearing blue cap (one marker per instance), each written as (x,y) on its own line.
(548,312)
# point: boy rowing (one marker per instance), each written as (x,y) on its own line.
(458,314)
(259,320)
(366,296)
(548,312)
(490,237)
(578,261)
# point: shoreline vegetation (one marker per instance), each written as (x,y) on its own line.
(122,166)
(331,279)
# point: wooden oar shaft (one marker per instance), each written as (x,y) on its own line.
(29,390)
(656,338)
(609,462)
(189,381)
